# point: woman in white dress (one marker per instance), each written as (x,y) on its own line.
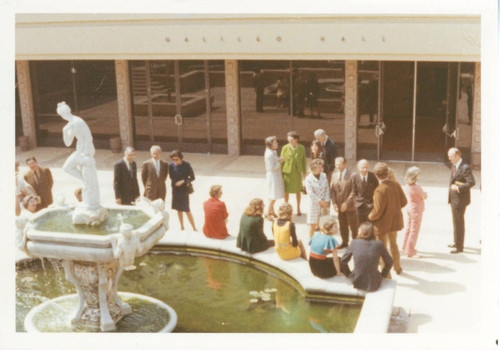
(318,192)
(274,178)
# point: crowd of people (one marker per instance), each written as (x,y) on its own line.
(368,204)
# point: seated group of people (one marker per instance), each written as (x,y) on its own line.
(366,250)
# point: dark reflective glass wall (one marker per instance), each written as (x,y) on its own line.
(176,106)
(368,108)
(279,96)
(88,87)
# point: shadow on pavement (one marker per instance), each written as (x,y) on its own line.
(460,258)
(423,265)
(430,287)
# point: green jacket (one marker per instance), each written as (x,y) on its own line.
(295,161)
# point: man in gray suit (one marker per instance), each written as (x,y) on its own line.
(340,189)
(154,173)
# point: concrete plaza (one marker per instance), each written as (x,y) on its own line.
(437,292)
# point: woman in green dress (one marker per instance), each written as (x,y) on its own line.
(251,237)
(294,167)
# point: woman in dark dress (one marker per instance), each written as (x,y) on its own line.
(367,253)
(181,175)
(251,237)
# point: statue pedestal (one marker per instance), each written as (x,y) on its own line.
(96,284)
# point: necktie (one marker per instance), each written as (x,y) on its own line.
(454,171)
(340,176)
(364,181)
(37,176)
(157,166)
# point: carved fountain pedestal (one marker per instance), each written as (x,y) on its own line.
(94,263)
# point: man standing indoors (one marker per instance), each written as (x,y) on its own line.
(386,215)
(461,181)
(125,179)
(330,151)
(363,185)
(154,174)
(340,189)
(41,180)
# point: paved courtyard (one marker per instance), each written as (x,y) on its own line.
(438,292)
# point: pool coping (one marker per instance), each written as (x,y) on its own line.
(376,310)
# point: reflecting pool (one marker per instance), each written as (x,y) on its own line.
(208,294)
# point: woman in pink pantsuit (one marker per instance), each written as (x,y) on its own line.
(414,210)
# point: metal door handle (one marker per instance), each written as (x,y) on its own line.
(380,129)
(178,119)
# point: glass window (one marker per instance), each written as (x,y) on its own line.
(265,103)
(318,95)
(368,108)
(88,87)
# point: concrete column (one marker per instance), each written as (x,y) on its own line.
(26,101)
(233,108)
(124,103)
(476,119)
(351,110)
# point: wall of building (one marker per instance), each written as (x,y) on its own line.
(139,36)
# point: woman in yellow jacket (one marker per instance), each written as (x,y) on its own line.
(287,245)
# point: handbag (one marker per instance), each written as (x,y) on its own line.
(189,187)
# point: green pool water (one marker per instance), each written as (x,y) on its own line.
(60,221)
(208,295)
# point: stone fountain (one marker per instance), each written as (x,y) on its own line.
(95,244)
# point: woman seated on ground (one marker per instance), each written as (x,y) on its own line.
(215,214)
(29,205)
(322,244)
(285,238)
(367,253)
(251,237)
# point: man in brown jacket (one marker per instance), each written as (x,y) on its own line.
(386,215)
(154,174)
(340,189)
(41,180)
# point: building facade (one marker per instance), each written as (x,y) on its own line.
(383,87)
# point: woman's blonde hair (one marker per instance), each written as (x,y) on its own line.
(255,207)
(215,190)
(285,211)
(411,175)
(328,224)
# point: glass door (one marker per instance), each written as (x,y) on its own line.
(395,130)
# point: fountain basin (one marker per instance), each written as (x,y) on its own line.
(94,258)
(148,315)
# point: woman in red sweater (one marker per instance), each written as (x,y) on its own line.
(215,214)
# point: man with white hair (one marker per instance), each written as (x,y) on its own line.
(363,184)
(125,178)
(329,150)
(154,173)
(461,180)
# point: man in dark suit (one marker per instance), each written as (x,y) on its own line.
(41,180)
(329,150)
(125,179)
(340,189)
(154,173)
(363,184)
(461,181)
(386,215)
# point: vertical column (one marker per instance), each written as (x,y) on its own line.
(476,119)
(26,101)
(233,108)
(351,110)
(124,103)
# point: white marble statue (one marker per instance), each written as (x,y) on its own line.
(126,247)
(81,164)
